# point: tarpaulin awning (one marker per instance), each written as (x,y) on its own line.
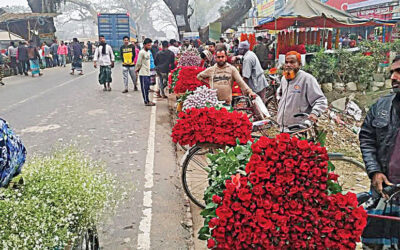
(313,13)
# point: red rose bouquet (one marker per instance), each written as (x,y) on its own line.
(283,201)
(187,79)
(209,125)
(298,48)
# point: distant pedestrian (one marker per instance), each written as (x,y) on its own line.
(155,49)
(47,56)
(143,69)
(165,62)
(62,54)
(90,50)
(23,58)
(53,51)
(70,52)
(12,55)
(128,55)
(105,56)
(77,57)
(34,56)
(173,46)
(1,69)
(261,51)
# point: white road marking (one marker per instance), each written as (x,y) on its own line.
(44,92)
(145,223)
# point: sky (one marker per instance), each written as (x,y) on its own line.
(13,2)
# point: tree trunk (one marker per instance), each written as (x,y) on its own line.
(233,17)
(179,9)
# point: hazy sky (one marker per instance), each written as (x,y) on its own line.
(13,2)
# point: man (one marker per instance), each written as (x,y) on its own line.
(53,51)
(62,54)
(143,70)
(300,93)
(1,70)
(252,71)
(211,47)
(154,49)
(128,55)
(261,51)
(12,55)
(380,147)
(165,62)
(47,58)
(34,56)
(77,57)
(173,46)
(221,77)
(90,50)
(186,45)
(235,47)
(105,56)
(23,58)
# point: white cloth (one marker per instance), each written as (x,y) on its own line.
(12,52)
(174,49)
(104,59)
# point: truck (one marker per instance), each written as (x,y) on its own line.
(114,26)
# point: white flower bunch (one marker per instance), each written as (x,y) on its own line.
(63,195)
(201,97)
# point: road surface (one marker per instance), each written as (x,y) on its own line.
(133,140)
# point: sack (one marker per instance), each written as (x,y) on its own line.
(261,108)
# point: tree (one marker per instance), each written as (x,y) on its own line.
(232,15)
(179,9)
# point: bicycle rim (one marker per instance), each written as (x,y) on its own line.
(195,176)
(352,175)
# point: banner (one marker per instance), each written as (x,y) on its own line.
(215,31)
(266,8)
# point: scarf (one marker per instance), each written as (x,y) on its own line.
(103,51)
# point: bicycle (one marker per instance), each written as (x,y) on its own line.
(195,166)
(271,99)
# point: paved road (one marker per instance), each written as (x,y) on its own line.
(133,140)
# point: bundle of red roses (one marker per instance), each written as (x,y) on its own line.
(187,79)
(209,125)
(283,202)
(301,48)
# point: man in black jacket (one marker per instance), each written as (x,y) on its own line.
(165,62)
(23,58)
(380,146)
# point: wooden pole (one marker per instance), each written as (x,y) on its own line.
(337,38)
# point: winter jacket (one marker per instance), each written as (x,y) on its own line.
(128,54)
(378,134)
(62,50)
(22,53)
(300,95)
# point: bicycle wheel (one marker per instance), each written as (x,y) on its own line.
(195,175)
(352,174)
(88,241)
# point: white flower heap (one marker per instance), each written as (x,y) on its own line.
(190,58)
(201,97)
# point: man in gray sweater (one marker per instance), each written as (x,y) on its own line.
(299,93)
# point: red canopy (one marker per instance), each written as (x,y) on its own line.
(317,22)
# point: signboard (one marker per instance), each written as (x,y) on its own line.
(215,31)
(384,13)
(265,8)
(191,35)
(352,4)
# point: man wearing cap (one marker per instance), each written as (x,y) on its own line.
(380,147)
(252,71)
(299,93)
